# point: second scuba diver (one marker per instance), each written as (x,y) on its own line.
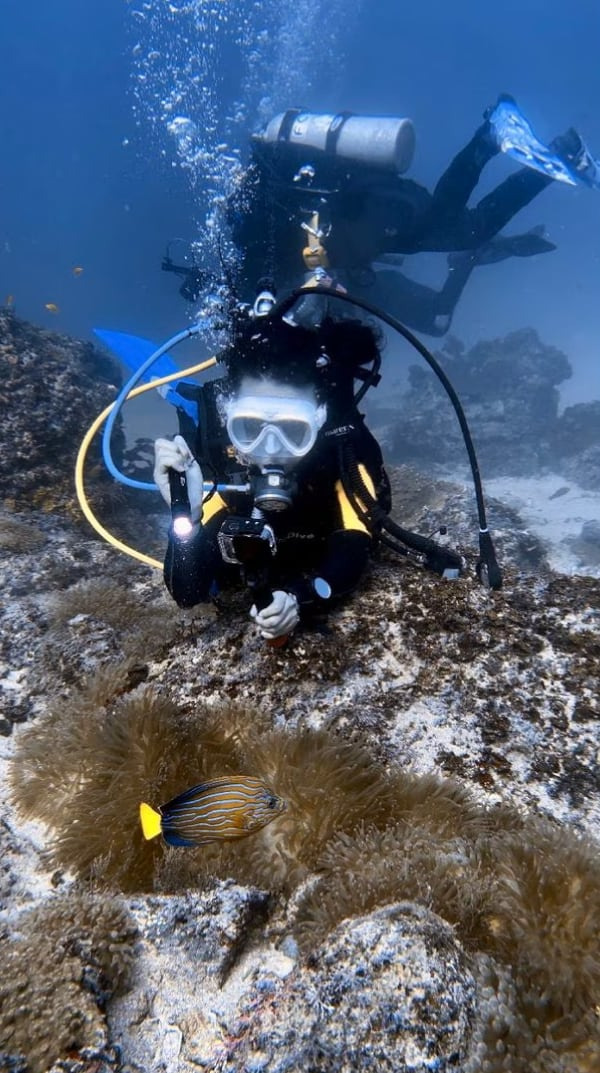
(340,178)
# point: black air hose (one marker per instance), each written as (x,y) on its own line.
(488,570)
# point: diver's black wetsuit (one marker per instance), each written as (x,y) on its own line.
(415,304)
(320,535)
(371,213)
(384,214)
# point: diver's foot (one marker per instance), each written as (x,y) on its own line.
(571,148)
(504,246)
(441,324)
(503,98)
(486,136)
(513,135)
(569,145)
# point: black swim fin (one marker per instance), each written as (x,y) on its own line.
(527,245)
(498,249)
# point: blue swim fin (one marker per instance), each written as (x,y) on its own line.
(133,351)
(515,137)
(583,166)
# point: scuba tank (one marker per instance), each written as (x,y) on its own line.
(385,142)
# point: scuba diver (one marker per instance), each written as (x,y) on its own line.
(338,179)
(300,531)
(193,277)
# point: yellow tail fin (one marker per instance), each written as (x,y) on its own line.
(150,820)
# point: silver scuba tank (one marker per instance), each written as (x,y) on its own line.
(386,142)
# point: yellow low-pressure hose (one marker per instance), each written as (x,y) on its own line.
(85,445)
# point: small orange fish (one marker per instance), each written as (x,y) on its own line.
(214,811)
(77,270)
(52,307)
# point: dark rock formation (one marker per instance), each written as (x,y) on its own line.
(587,544)
(583,468)
(509,391)
(578,429)
(52,389)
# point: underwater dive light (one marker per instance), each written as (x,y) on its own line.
(181,511)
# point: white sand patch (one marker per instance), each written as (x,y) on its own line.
(25,843)
(556,519)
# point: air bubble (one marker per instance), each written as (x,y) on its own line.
(178,71)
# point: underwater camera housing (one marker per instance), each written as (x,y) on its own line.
(386,142)
(246,541)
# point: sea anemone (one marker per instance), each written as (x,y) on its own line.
(58,972)
(517,889)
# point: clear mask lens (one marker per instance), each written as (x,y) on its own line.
(266,429)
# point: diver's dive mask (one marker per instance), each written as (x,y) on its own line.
(271,430)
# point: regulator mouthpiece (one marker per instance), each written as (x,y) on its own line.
(263,303)
(273,489)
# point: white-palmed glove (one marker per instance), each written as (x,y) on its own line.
(175,454)
(279,618)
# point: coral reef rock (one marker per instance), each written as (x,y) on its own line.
(388,991)
(509,391)
(53,388)
(59,967)
(175,1019)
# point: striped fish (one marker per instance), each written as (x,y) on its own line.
(231,807)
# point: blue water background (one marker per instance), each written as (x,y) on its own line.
(92,177)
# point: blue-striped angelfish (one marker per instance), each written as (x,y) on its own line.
(221,809)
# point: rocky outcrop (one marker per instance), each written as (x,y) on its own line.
(582,467)
(509,391)
(52,389)
(387,991)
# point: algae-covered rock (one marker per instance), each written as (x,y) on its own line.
(53,387)
(388,991)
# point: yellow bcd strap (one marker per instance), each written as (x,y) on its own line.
(350,519)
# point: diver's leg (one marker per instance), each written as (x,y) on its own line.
(447,224)
(418,306)
(495,210)
(460,267)
(456,185)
